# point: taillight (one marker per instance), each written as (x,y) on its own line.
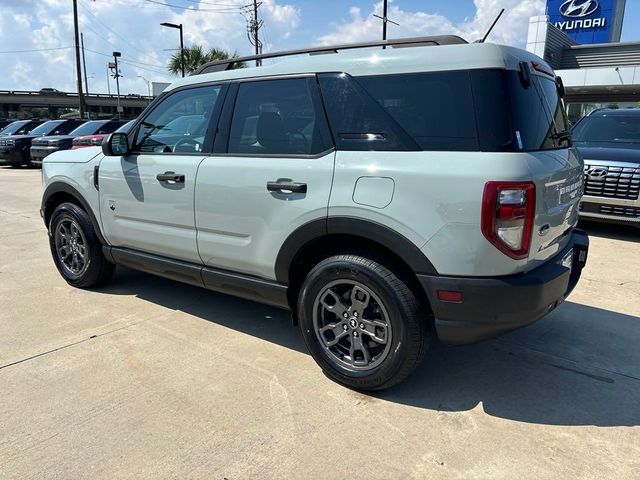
(508,211)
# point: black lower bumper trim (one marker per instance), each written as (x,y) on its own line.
(491,306)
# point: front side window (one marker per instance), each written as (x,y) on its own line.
(179,123)
(276,117)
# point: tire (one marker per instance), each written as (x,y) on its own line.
(75,247)
(373,354)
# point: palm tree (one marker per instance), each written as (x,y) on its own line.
(195,56)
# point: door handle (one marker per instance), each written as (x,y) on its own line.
(170,177)
(287,187)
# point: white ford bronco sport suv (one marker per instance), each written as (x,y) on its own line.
(384,196)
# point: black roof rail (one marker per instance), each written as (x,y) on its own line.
(222,65)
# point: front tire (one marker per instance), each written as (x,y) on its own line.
(75,247)
(362,324)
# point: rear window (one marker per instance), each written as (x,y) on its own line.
(477,110)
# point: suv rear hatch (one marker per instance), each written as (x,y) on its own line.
(541,130)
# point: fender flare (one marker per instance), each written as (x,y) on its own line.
(61,187)
(353,226)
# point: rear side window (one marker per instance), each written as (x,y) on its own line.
(492,111)
(435,109)
(357,120)
(273,117)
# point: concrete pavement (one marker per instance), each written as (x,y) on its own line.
(148,378)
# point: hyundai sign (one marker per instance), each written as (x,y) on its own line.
(588,21)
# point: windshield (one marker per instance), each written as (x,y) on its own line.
(622,131)
(13,127)
(88,128)
(46,128)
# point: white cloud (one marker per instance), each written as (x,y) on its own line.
(133,28)
(129,26)
(510,30)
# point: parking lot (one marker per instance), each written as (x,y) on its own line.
(148,378)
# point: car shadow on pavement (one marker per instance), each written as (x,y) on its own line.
(578,366)
(611,231)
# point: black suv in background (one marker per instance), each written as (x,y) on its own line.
(20,127)
(14,149)
(609,141)
(44,146)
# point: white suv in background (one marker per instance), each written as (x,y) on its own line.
(382,195)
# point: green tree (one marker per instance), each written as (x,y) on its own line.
(195,56)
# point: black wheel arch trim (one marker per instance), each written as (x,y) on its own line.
(354,226)
(61,187)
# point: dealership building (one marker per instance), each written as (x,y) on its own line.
(580,39)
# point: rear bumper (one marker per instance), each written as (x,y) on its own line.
(495,305)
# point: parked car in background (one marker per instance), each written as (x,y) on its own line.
(14,149)
(4,123)
(609,141)
(20,127)
(96,140)
(52,143)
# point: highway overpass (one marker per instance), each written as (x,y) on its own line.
(97,104)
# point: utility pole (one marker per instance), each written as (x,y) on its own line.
(77,46)
(117,77)
(384,19)
(84,68)
(255,29)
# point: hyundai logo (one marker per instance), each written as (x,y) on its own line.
(597,173)
(578,8)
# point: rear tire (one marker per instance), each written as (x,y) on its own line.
(362,324)
(75,247)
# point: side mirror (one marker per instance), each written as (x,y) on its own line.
(116,145)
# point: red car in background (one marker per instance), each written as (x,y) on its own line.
(96,140)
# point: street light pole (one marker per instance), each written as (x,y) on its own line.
(179,27)
(148,85)
(77,47)
(117,76)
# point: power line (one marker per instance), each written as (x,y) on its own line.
(109,28)
(116,46)
(37,50)
(183,7)
(129,62)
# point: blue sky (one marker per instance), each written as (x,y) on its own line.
(44,28)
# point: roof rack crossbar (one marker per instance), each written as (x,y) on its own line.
(221,65)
